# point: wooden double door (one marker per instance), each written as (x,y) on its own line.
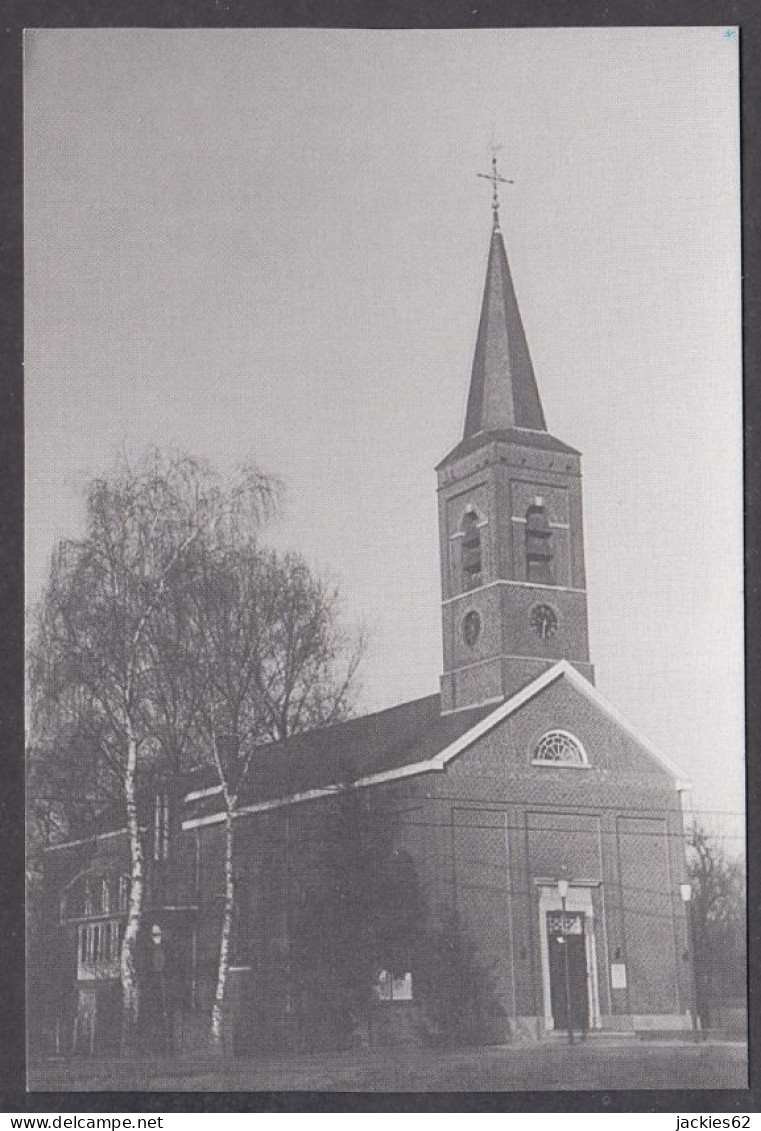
(568,984)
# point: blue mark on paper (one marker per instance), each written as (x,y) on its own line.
(730,33)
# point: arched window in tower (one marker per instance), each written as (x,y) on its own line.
(538,544)
(471,551)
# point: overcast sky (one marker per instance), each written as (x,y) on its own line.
(273,243)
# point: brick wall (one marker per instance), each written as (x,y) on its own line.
(615,824)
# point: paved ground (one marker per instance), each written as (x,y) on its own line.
(599,1064)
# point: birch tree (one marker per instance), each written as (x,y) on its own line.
(100,618)
(307,660)
(275,662)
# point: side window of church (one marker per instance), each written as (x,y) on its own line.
(538,544)
(393,987)
(471,552)
(98,950)
(89,907)
(242,919)
(161,826)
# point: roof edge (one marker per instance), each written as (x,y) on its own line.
(526,437)
(561,668)
(682,780)
(440,761)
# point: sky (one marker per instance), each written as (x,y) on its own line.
(271,244)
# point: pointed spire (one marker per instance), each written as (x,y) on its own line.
(503,389)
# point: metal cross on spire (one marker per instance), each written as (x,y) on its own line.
(495,179)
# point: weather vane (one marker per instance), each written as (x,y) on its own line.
(495,179)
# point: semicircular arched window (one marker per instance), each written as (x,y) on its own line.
(559,748)
(471,551)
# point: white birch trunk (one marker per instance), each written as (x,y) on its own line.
(218,1009)
(128,965)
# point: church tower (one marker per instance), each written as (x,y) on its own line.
(510,519)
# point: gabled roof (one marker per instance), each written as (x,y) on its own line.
(567,671)
(365,747)
(503,389)
(405,741)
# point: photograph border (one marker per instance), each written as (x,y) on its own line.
(343,13)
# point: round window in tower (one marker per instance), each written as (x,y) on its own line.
(471,627)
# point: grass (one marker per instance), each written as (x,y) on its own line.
(600,1065)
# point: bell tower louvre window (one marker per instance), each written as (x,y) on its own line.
(471,551)
(538,544)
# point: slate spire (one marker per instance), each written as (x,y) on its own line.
(503,389)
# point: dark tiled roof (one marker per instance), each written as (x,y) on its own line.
(372,744)
(519,436)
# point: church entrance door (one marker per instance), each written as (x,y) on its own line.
(572,992)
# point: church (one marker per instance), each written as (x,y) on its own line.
(522,801)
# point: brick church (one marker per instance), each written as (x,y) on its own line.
(521,799)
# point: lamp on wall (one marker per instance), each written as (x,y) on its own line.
(685,891)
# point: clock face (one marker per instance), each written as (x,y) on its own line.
(544,621)
(471,627)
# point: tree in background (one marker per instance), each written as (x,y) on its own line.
(68,785)
(65,797)
(307,661)
(356,909)
(97,649)
(359,909)
(458,989)
(718,909)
